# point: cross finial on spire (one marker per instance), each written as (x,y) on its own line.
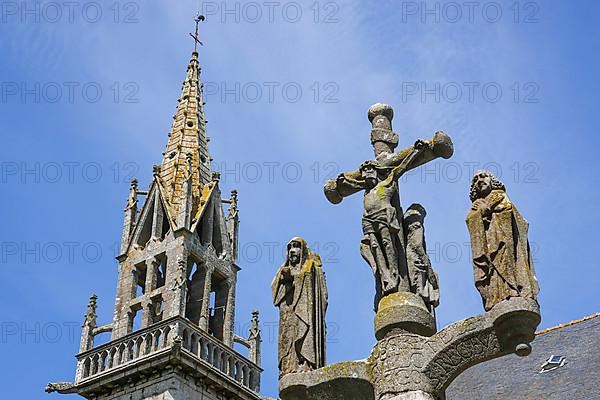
(199,18)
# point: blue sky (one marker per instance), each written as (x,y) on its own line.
(81,151)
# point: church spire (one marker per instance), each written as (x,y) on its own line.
(187,136)
(177,279)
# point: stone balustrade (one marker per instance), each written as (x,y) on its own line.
(162,337)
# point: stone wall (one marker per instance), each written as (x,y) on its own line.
(165,387)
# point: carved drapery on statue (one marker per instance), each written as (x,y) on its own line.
(423,279)
(300,292)
(383,244)
(502,262)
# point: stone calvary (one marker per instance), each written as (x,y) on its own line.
(412,360)
(172,332)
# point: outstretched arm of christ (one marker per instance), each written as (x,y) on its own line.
(351,182)
(439,146)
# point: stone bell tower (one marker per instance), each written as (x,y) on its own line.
(173,325)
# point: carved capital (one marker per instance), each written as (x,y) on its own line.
(61,388)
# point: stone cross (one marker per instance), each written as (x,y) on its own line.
(383,245)
(199,18)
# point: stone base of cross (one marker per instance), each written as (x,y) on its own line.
(412,362)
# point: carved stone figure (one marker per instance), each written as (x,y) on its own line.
(61,388)
(300,292)
(502,261)
(180,281)
(423,279)
(383,243)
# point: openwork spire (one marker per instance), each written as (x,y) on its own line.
(187,136)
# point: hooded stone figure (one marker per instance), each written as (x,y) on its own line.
(300,292)
(502,261)
(423,279)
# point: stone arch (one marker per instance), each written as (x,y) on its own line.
(121,358)
(185,339)
(130,350)
(254,380)
(148,339)
(94,366)
(231,367)
(238,371)
(166,336)
(216,357)
(87,367)
(138,347)
(103,361)
(194,343)
(156,340)
(245,375)
(113,358)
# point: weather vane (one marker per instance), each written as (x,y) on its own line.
(199,18)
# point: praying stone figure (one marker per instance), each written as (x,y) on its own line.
(423,279)
(383,244)
(502,261)
(300,292)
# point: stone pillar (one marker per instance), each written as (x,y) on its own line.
(403,311)
(157,217)
(255,340)
(133,281)
(229,320)
(217,324)
(125,293)
(207,221)
(174,294)
(130,215)
(148,312)
(205,313)
(151,272)
(195,293)
(181,286)
(89,324)
(233,222)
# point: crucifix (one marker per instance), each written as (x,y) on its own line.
(199,18)
(383,244)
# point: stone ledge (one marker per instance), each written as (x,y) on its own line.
(342,381)
(171,360)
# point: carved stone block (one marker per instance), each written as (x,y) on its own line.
(405,365)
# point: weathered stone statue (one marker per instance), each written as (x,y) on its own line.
(502,261)
(61,388)
(383,244)
(423,279)
(300,292)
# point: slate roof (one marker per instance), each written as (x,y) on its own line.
(517,378)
